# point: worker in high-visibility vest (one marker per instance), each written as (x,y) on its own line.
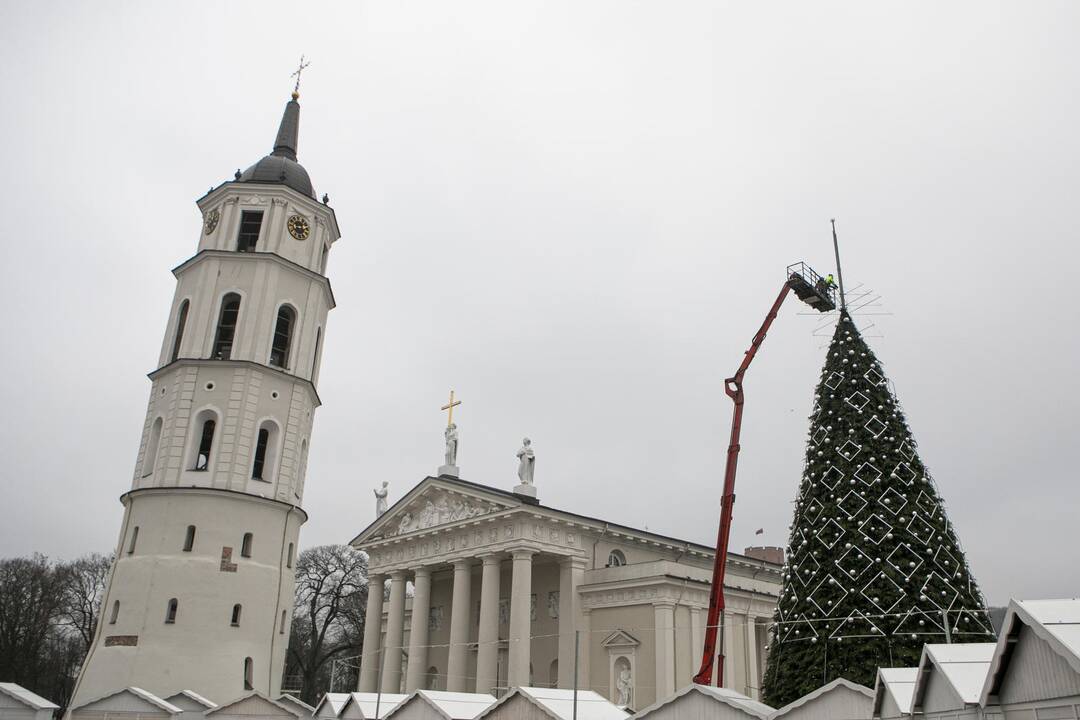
(829,280)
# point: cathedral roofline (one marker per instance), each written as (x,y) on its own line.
(531,506)
(321,279)
(179,362)
(194,490)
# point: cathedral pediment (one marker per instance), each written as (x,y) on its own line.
(431,504)
(620,639)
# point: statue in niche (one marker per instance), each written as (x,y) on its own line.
(527,462)
(624,683)
(451,444)
(381,503)
(553,604)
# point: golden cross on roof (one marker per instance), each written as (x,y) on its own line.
(450,407)
(296,89)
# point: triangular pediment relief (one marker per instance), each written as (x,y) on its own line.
(431,504)
(620,639)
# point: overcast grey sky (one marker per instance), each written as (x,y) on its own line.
(575,214)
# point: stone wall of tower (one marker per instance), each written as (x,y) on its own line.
(213,535)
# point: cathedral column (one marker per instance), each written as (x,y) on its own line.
(583,650)
(418,630)
(487,651)
(369,661)
(728,623)
(753,681)
(457,667)
(571,573)
(395,629)
(664,613)
(520,618)
(697,638)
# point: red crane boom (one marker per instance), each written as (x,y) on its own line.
(817,293)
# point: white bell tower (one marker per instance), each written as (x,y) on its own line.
(201,594)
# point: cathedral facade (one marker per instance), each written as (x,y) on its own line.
(505,587)
(201,593)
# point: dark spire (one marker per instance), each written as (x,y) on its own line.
(289,131)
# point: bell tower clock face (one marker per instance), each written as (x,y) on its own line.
(299,227)
(211,220)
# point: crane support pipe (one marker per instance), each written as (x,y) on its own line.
(734,390)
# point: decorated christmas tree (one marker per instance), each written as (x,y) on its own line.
(874,568)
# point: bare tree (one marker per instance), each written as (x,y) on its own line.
(31,596)
(328,618)
(84,589)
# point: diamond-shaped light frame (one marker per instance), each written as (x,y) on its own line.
(849,450)
(833,381)
(896,501)
(875,427)
(877,590)
(920,529)
(830,533)
(854,562)
(867,474)
(852,504)
(824,607)
(857,400)
(875,528)
(831,477)
(904,560)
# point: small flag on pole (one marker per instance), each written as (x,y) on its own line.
(760,531)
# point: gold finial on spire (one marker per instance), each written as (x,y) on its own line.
(296,88)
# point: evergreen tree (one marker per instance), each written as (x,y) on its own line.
(874,569)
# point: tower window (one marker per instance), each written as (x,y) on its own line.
(206,444)
(289,557)
(189,538)
(245,546)
(279,352)
(616,559)
(281,630)
(260,454)
(170,612)
(325,257)
(115,612)
(226,328)
(181,321)
(134,538)
(249,674)
(150,453)
(250,224)
(235,622)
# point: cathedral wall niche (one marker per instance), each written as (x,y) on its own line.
(639,621)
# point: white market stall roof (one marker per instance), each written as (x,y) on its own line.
(963,665)
(734,700)
(899,683)
(127,700)
(330,705)
(1055,621)
(24,696)
(193,696)
(449,705)
(365,705)
(254,703)
(297,704)
(559,704)
(799,707)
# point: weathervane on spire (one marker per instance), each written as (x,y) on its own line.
(296,88)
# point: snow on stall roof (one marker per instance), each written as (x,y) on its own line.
(299,704)
(900,683)
(964,665)
(451,705)
(25,696)
(194,696)
(559,704)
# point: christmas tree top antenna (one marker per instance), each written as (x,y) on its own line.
(839,272)
(817,292)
